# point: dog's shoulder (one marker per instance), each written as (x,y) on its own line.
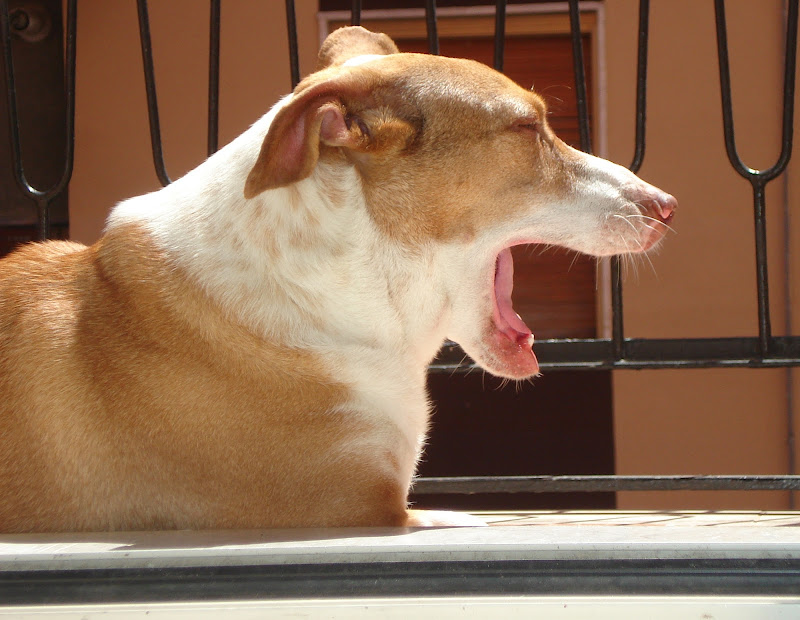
(37,257)
(39,271)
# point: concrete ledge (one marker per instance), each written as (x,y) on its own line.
(521,554)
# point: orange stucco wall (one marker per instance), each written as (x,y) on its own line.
(113,158)
(703,421)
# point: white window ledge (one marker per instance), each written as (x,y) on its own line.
(663,561)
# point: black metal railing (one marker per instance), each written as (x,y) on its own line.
(42,197)
(618,352)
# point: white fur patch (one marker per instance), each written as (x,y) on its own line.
(290,256)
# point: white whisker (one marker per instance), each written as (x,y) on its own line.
(459,366)
(544,247)
(574,260)
(652,266)
(643,254)
(633,259)
(631,224)
(624,257)
(656,220)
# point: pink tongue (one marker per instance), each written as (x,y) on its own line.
(509,323)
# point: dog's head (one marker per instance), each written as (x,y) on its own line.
(454,154)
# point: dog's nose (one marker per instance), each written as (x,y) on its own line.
(665,205)
(657,204)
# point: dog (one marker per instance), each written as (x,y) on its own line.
(247,347)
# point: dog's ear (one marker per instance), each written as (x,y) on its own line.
(350,42)
(317,116)
(291,147)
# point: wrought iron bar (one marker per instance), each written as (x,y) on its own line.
(294,57)
(641,85)
(499,34)
(213,77)
(617,327)
(431,28)
(355,13)
(469,485)
(619,351)
(759,178)
(42,197)
(790,59)
(580,76)
(762,272)
(150,88)
(646,353)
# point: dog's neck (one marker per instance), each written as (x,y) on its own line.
(302,265)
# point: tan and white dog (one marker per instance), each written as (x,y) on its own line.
(247,347)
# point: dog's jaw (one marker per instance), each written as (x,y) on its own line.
(484,322)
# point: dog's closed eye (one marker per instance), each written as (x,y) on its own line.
(527,124)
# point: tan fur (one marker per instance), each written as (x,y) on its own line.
(348,43)
(160,389)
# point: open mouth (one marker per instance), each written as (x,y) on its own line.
(506,319)
(512,334)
